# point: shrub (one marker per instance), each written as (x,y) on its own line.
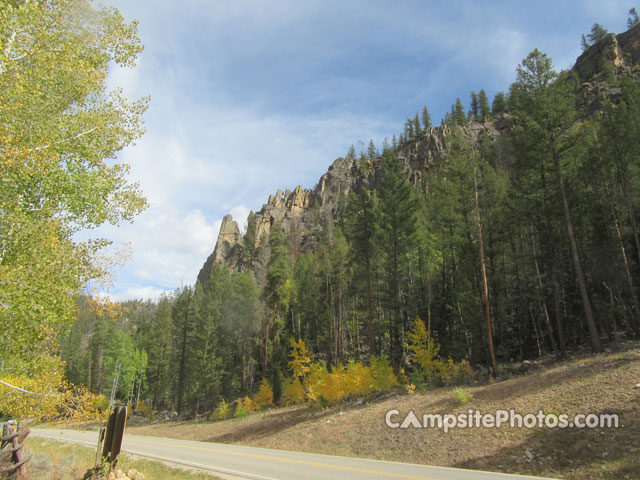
(294,392)
(223,411)
(146,409)
(333,386)
(264,397)
(461,396)
(314,381)
(247,404)
(429,365)
(358,379)
(382,373)
(326,388)
(241,411)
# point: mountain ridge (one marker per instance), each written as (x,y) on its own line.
(295,208)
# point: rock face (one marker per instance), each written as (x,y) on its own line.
(614,54)
(228,249)
(617,51)
(303,212)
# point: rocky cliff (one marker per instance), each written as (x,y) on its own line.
(303,212)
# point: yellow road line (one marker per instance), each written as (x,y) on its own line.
(289,460)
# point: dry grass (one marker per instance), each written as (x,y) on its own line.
(54,460)
(598,384)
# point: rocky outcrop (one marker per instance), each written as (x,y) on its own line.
(281,207)
(614,55)
(303,212)
(617,51)
(228,250)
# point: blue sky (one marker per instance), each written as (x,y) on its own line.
(251,96)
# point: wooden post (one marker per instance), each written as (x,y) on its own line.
(12,443)
(114,435)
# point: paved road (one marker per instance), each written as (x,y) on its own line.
(267,464)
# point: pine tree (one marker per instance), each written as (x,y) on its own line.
(372,151)
(361,230)
(157,341)
(409,131)
(474,113)
(634,18)
(458,113)
(278,290)
(483,105)
(547,113)
(584,43)
(499,104)
(183,318)
(416,125)
(598,33)
(398,209)
(426,118)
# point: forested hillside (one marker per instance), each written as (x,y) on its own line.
(510,230)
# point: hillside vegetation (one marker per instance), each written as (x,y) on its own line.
(507,233)
(600,384)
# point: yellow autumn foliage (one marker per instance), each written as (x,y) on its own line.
(244,407)
(324,387)
(47,397)
(299,363)
(358,379)
(431,366)
(264,397)
(293,391)
(382,374)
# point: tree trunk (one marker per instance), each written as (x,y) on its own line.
(487,306)
(625,260)
(370,306)
(577,262)
(541,299)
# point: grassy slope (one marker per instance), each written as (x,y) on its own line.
(600,384)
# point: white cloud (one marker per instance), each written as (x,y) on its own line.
(143,292)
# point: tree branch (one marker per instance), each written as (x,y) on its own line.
(81,134)
(19,389)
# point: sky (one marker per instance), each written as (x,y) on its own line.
(251,96)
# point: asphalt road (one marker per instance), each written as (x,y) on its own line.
(267,464)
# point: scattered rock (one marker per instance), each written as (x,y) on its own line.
(134,474)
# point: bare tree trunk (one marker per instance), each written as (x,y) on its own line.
(541,299)
(487,306)
(625,259)
(370,306)
(577,262)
